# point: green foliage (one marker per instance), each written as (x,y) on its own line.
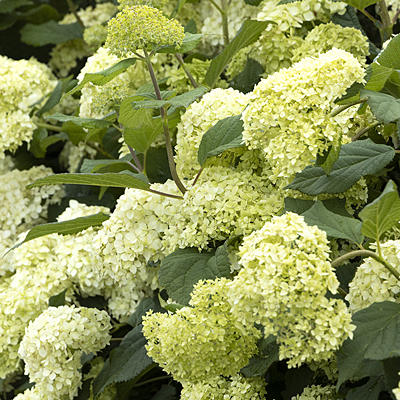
(335,226)
(355,160)
(298,206)
(50,33)
(58,300)
(128,362)
(225,134)
(331,156)
(382,214)
(7,6)
(147,304)
(249,32)
(248,78)
(190,42)
(88,123)
(386,108)
(183,268)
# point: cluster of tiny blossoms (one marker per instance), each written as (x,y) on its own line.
(54,344)
(285,276)
(139,27)
(201,342)
(372,282)
(22,83)
(289,112)
(317,392)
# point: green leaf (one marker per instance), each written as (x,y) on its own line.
(184,100)
(122,179)
(75,133)
(50,33)
(165,393)
(52,100)
(90,166)
(38,136)
(131,118)
(382,214)
(353,92)
(377,337)
(65,227)
(7,6)
(331,157)
(183,268)
(298,206)
(335,226)
(225,134)
(127,362)
(254,3)
(385,108)
(249,32)
(103,77)
(391,367)
(145,305)
(173,307)
(248,78)
(355,160)
(379,77)
(190,42)
(48,141)
(389,57)
(191,26)
(368,391)
(88,123)
(58,300)
(177,8)
(345,274)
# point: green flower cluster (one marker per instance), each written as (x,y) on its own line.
(141,27)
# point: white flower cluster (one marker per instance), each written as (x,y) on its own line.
(288,116)
(285,276)
(200,342)
(71,155)
(372,282)
(64,56)
(22,83)
(54,344)
(317,392)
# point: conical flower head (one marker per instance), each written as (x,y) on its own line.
(141,26)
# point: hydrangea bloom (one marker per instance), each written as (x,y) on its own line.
(198,119)
(201,342)
(54,343)
(141,26)
(223,203)
(71,155)
(160,4)
(372,282)
(22,83)
(220,388)
(317,392)
(285,276)
(288,114)
(326,36)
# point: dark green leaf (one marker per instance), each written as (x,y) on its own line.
(249,32)
(191,26)
(330,159)
(75,133)
(379,77)
(355,160)
(385,107)
(391,367)
(103,77)
(157,167)
(345,274)
(131,118)
(165,393)
(298,206)
(178,7)
(249,77)
(52,100)
(368,391)
(254,3)
(296,380)
(389,57)
(183,268)
(38,14)
(58,300)
(225,134)
(7,21)
(88,123)
(190,42)
(145,305)
(335,226)
(173,307)
(50,33)
(35,146)
(48,141)
(122,179)
(127,362)
(65,227)
(84,391)
(382,214)
(377,337)
(89,166)
(7,6)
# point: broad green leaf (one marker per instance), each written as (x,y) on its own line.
(298,206)
(191,26)
(361,4)
(249,32)
(90,166)
(131,118)
(157,167)
(127,362)
(389,57)
(103,77)
(75,133)
(7,6)
(225,134)
(48,141)
(65,227)
(50,33)
(38,136)
(254,3)
(143,136)
(355,160)
(184,100)
(345,274)
(52,100)
(368,391)
(178,7)
(382,214)
(145,305)
(377,337)
(183,268)
(335,226)
(379,77)
(221,262)
(7,21)
(190,42)
(330,159)
(385,108)
(58,300)
(173,307)
(122,179)
(88,123)
(391,367)
(248,78)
